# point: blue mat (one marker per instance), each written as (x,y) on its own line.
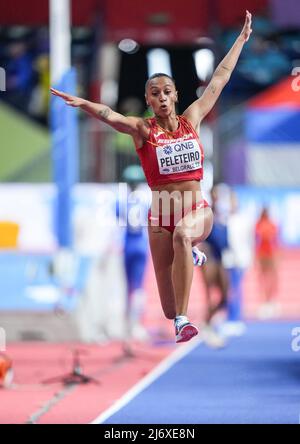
(255,380)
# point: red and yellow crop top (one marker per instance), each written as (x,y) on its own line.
(171,156)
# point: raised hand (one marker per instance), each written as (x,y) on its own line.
(68,98)
(246,31)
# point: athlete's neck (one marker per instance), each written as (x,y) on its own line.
(170,123)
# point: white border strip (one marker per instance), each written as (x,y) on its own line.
(167,363)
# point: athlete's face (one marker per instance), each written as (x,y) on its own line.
(161,95)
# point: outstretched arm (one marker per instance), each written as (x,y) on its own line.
(201,107)
(134,126)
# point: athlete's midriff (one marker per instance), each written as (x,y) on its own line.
(182,194)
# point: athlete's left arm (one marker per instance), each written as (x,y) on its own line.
(196,112)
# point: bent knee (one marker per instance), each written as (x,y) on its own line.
(180,238)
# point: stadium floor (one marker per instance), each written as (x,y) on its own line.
(255,379)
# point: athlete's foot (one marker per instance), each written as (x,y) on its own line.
(199,258)
(211,337)
(185,332)
(269,310)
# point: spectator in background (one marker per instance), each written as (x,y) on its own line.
(39,102)
(236,259)
(134,213)
(6,371)
(214,274)
(276,63)
(20,76)
(266,238)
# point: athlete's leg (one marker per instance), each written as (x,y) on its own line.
(161,247)
(209,274)
(271,281)
(192,229)
(268,283)
(222,283)
(135,259)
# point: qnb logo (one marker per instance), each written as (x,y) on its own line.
(2,339)
(189,145)
(296,341)
(2,79)
(296,81)
(168,149)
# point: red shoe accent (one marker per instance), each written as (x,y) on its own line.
(187,332)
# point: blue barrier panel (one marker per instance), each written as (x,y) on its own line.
(64,127)
(29,283)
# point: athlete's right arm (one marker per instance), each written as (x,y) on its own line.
(135,126)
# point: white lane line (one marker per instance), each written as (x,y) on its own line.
(167,363)
(56,398)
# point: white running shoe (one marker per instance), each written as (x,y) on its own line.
(212,338)
(269,310)
(139,332)
(232,329)
(199,257)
